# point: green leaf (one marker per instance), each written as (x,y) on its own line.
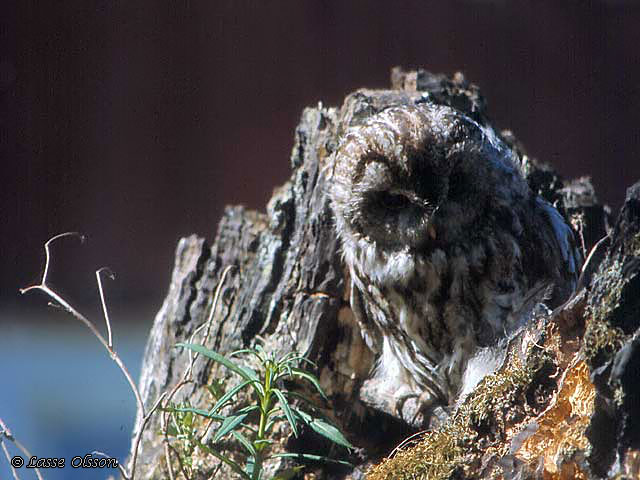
(249,466)
(306,418)
(308,456)
(227,396)
(249,351)
(288,371)
(247,409)
(234,466)
(245,443)
(301,358)
(303,397)
(262,443)
(297,372)
(216,388)
(187,419)
(287,358)
(229,424)
(244,372)
(284,404)
(329,431)
(199,411)
(324,428)
(272,420)
(306,360)
(298,358)
(289,473)
(241,351)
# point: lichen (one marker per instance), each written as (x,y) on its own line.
(479,428)
(634,245)
(601,337)
(562,426)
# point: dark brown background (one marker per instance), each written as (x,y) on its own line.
(135,122)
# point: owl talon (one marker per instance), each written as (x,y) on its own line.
(422,412)
(401,402)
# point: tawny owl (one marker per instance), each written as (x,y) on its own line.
(447,247)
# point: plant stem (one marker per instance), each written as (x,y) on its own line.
(265,408)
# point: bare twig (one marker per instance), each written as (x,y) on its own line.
(205,338)
(80,237)
(42,286)
(406,441)
(167,458)
(186,377)
(60,302)
(112,276)
(164,399)
(168,451)
(8,455)
(136,442)
(123,472)
(140,431)
(6,433)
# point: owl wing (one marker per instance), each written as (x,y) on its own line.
(370,332)
(564,259)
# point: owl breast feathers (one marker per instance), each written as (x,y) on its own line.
(447,248)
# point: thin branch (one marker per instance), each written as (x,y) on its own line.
(60,302)
(143,425)
(65,305)
(136,442)
(406,441)
(123,472)
(6,433)
(8,455)
(186,377)
(112,276)
(167,458)
(107,344)
(205,338)
(80,237)
(185,474)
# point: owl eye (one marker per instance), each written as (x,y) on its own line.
(393,201)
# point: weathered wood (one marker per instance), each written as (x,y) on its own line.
(287,285)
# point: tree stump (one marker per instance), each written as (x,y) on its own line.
(288,287)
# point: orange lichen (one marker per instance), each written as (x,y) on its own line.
(562,426)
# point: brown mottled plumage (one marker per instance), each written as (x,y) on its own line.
(447,247)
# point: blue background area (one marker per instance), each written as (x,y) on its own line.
(62,395)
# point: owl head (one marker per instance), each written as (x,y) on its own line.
(412,178)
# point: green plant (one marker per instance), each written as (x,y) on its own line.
(252,425)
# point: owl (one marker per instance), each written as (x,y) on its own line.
(447,249)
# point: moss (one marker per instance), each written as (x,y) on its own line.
(634,245)
(478,428)
(601,338)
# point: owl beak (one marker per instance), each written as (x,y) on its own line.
(431,228)
(431,231)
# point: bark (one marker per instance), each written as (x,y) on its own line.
(287,287)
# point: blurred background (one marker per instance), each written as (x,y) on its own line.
(136,122)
